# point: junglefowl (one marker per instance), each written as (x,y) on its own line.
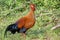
(24,23)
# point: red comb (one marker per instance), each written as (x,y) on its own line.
(32,5)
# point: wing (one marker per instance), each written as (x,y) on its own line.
(21,22)
(29,23)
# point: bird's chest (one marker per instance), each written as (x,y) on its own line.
(29,23)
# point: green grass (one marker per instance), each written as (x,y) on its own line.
(47,15)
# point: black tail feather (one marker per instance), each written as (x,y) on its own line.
(5,34)
(12,28)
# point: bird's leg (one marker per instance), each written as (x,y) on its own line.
(24,36)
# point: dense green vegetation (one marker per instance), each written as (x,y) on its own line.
(47,15)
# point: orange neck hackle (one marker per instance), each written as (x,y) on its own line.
(32,6)
(31,12)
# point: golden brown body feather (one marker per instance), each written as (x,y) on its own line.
(27,21)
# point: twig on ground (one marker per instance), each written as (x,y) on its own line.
(55,27)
